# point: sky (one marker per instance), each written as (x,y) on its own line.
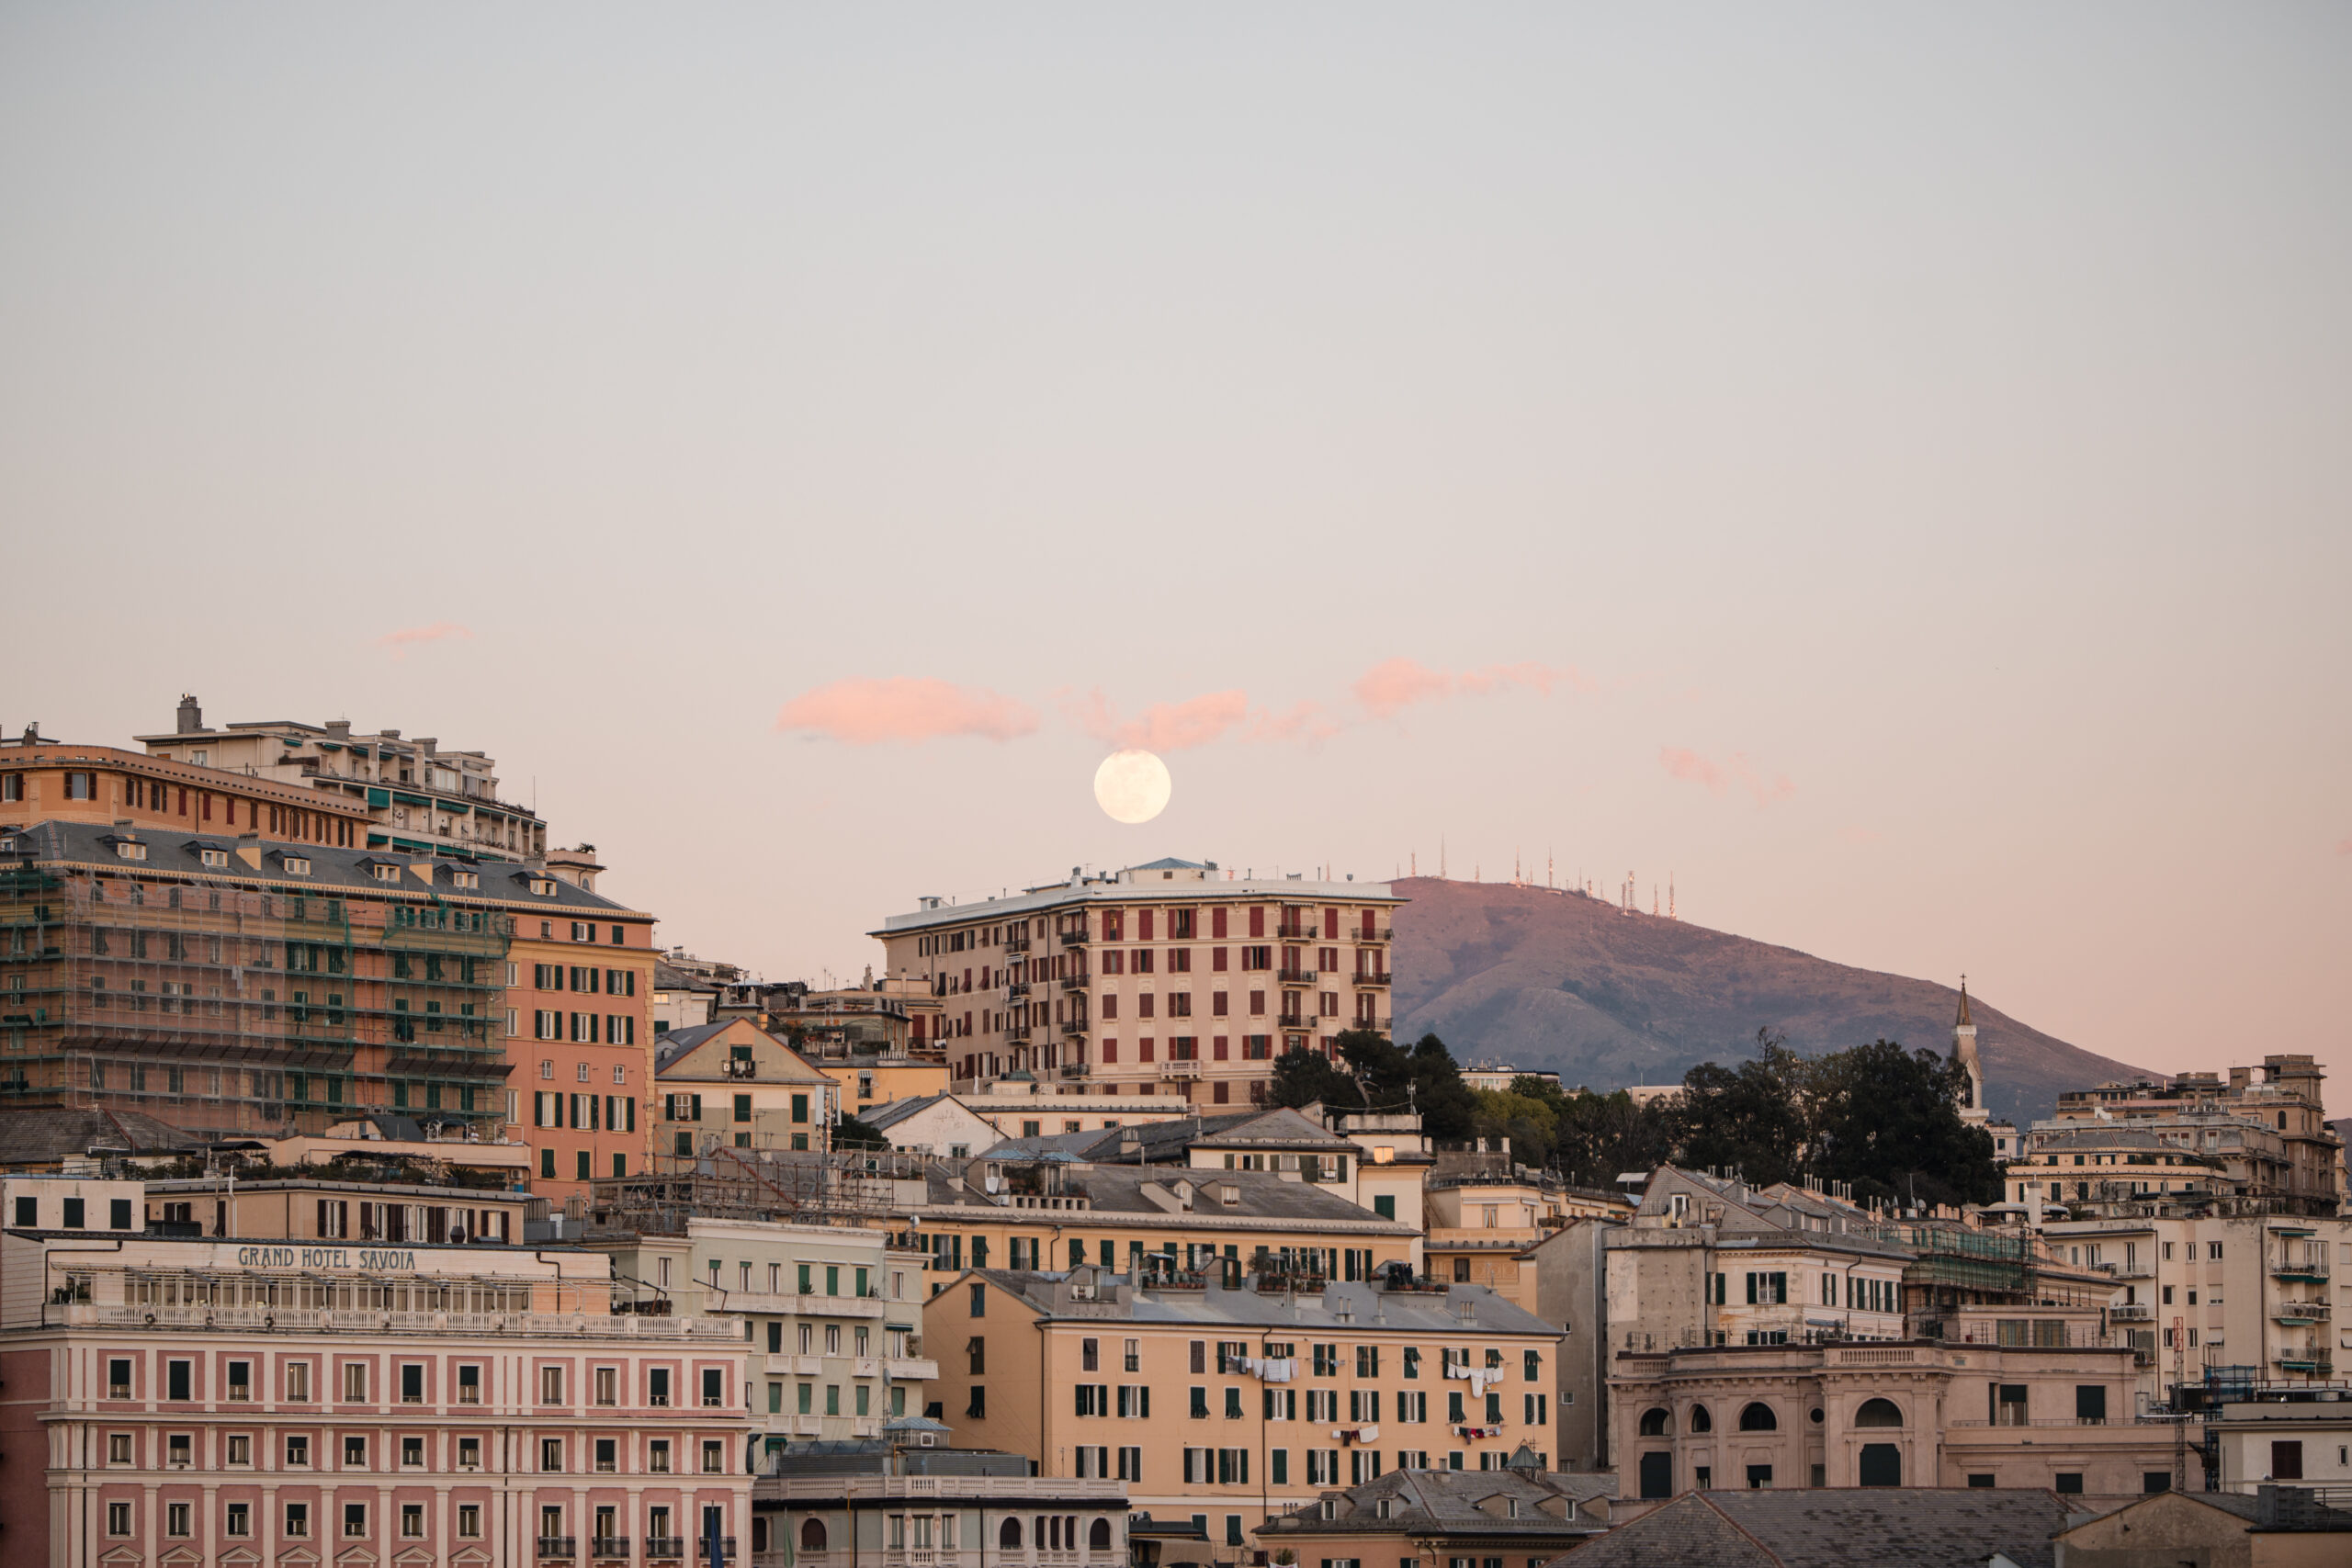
(1884,466)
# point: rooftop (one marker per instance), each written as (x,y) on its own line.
(1351,1308)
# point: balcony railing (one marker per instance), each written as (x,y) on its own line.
(1075,1069)
(659,1547)
(1191,1069)
(1016,990)
(1074,1026)
(1074,982)
(2133,1311)
(1076,938)
(2300,1312)
(608,1546)
(2300,1263)
(559,1548)
(1372,977)
(1295,976)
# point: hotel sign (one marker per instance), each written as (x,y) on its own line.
(368,1260)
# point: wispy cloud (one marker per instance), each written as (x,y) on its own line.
(1682,763)
(400,641)
(1394,685)
(863,710)
(1197,721)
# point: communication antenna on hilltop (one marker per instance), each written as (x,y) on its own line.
(1441,857)
(1652,897)
(1415,862)
(1670,897)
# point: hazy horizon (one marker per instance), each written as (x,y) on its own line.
(1884,468)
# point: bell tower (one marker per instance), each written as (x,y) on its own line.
(1964,1051)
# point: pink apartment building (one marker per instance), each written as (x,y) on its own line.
(171,1403)
(1171,979)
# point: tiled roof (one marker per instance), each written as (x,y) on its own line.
(1834,1528)
(35,1136)
(1457,1501)
(1364,1306)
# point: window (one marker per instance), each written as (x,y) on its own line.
(714,1459)
(239,1519)
(118,1519)
(551,1386)
(354,1520)
(657,1456)
(298,1451)
(354,1452)
(412,1453)
(469,1385)
(119,1378)
(178,1377)
(714,1387)
(551,1455)
(469,1520)
(413,1520)
(411,1383)
(355,1382)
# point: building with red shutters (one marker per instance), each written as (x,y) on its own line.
(1174,977)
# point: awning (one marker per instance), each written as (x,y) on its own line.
(379,798)
(410,799)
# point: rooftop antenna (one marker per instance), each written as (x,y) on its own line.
(1441,857)
(1670,897)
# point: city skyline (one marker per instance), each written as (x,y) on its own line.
(1877,469)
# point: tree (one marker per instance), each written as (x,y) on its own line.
(849,1133)
(1530,1122)
(1888,1120)
(1309,1078)
(1751,1118)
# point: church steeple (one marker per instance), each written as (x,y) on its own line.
(1964,1051)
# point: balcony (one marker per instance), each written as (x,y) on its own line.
(2308,1263)
(558,1548)
(1016,990)
(1074,1026)
(1191,1069)
(1293,1020)
(1074,982)
(1372,977)
(1075,939)
(2289,1314)
(661,1548)
(2133,1311)
(909,1369)
(1295,976)
(1075,1069)
(1378,933)
(782,1364)
(610,1546)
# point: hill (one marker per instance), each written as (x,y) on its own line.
(1546,979)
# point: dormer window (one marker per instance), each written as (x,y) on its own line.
(465,879)
(386,872)
(130,851)
(543,888)
(298,865)
(213,857)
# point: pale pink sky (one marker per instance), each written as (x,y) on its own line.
(1885,466)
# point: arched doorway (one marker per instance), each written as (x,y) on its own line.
(812,1535)
(1009,1535)
(1098,1536)
(1881,1465)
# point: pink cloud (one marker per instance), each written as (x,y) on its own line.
(1394,684)
(863,710)
(1682,763)
(1307,721)
(400,641)
(1197,721)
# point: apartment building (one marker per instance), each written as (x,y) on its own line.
(831,1317)
(232,1400)
(1268,1390)
(2072,1164)
(1173,977)
(1019,1105)
(55,780)
(329,1209)
(2008,1397)
(1048,1213)
(933,1124)
(241,987)
(2266,1126)
(2204,1291)
(1446,1516)
(734,1085)
(416,797)
(580,994)
(907,1498)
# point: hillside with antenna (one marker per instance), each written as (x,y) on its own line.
(1611,996)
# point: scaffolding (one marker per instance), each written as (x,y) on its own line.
(228,1012)
(800,1187)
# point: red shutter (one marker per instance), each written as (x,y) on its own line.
(1258,920)
(1331,925)
(1143,925)
(1216,921)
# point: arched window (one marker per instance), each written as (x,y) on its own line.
(1098,1536)
(1879,1412)
(1758,1417)
(1008,1536)
(1700,1420)
(812,1535)
(1655,1421)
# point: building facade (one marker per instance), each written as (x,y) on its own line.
(836,1504)
(1235,1394)
(734,1085)
(416,797)
(1169,979)
(232,1401)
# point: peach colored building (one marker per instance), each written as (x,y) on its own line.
(1174,977)
(59,781)
(246,1401)
(1238,1395)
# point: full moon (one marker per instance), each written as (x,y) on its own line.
(1132,785)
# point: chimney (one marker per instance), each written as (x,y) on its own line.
(191,716)
(340,728)
(428,744)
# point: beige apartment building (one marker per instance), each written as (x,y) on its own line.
(1234,1394)
(733,1085)
(2266,1127)
(2258,1290)
(1020,1105)
(1170,978)
(416,797)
